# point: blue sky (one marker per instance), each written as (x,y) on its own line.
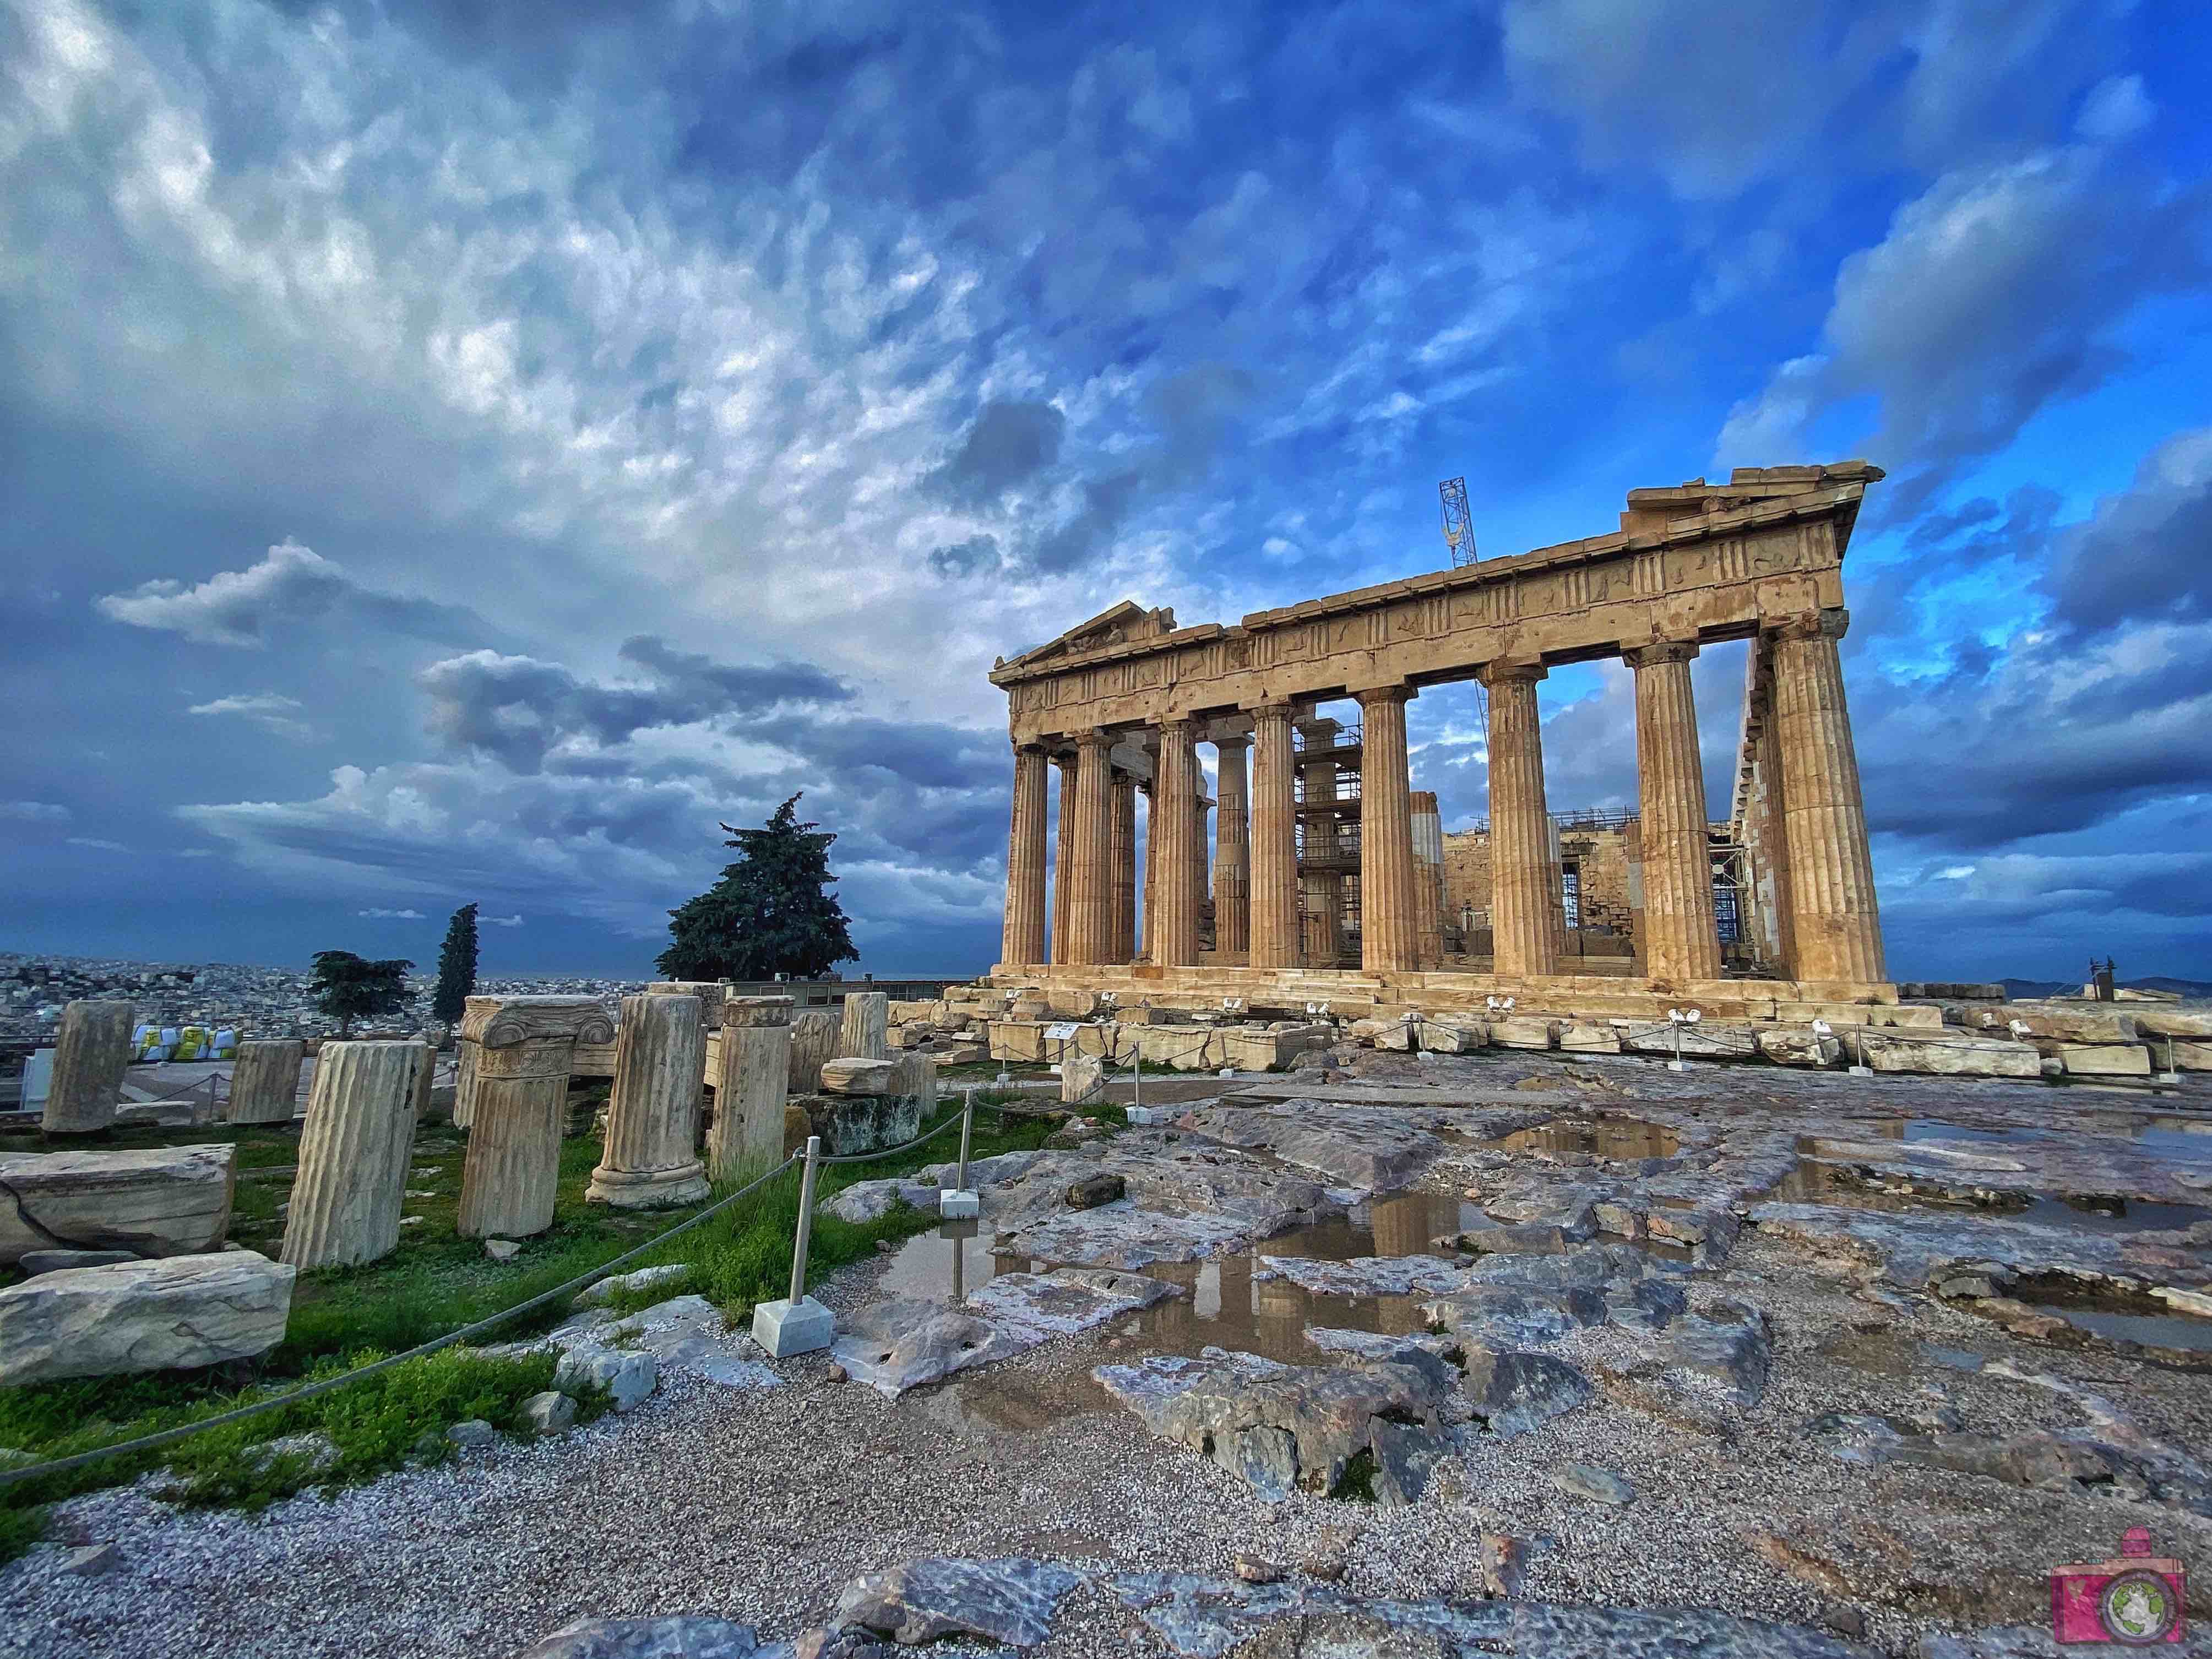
(465,452)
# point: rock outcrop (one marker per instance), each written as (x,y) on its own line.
(172,1315)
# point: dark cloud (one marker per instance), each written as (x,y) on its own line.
(1009,443)
(976,556)
(514,708)
(2145,555)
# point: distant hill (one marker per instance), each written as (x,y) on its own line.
(2018,990)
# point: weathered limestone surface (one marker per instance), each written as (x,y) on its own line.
(154,1201)
(1943,1053)
(857,1123)
(864,1033)
(264,1086)
(849,1076)
(1232,891)
(1681,941)
(653,1115)
(2100,1059)
(1837,925)
(91,1055)
(467,1057)
(1389,937)
(1171,932)
(814,1033)
(710,993)
(183,1312)
(354,1152)
(750,1086)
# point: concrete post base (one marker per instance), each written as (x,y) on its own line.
(785,1327)
(959,1206)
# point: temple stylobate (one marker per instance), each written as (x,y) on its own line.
(1321,848)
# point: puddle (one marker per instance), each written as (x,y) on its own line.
(2188,1138)
(1815,1180)
(2110,1215)
(1957,1359)
(1935,1128)
(2159,1330)
(1608,1135)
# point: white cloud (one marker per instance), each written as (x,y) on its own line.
(378,914)
(505,922)
(34,812)
(98,844)
(270,710)
(234,607)
(2116,108)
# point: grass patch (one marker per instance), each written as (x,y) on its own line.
(1357,1484)
(434,1283)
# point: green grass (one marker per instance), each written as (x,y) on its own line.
(434,1283)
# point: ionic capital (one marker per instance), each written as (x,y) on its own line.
(1830,624)
(1650,656)
(1509,669)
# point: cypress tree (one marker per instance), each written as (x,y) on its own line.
(457,966)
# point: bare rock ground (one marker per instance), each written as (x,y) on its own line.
(1785,1502)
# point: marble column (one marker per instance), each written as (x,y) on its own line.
(1835,922)
(1152,869)
(751,1085)
(1681,938)
(1122,942)
(864,1032)
(1232,882)
(264,1084)
(1526,916)
(814,1033)
(1175,839)
(1022,943)
(653,1115)
(91,1055)
(524,1047)
(1063,855)
(1089,887)
(1324,886)
(1429,876)
(354,1153)
(1768,811)
(466,1056)
(1390,931)
(1274,869)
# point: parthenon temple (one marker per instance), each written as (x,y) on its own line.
(1327,869)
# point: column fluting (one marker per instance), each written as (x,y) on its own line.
(1274,868)
(1022,943)
(1835,918)
(1323,884)
(1681,940)
(1525,912)
(1389,940)
(1122,946)
(1175,839)
(1090,888)
(1232,885)
(1063,855)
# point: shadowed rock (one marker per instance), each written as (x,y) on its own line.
(1011,1600)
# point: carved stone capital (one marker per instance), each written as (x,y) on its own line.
(1829,624)
(502,1022)
(1226,741)
(1508,668)
(1271,711)
(1650,656)
(1094,739)
(1383,696)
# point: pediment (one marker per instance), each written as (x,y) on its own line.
(1119,624)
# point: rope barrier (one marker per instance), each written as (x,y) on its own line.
(331,1384)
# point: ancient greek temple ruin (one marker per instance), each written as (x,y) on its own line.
(1320,848)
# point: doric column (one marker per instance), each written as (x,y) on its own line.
(1174,935)
(264,1084)
(1275,872)
(1429,876)
(1324,885)
(1525,911)
(525,1046)
(652,1115)
(1063,855)
(1768,814)
(90,1057)
(1232,887)
(1022,943)
(1151,864)
(1389,933)
(1681,940)
(751,1083)
(1122,946)
(1834,916)
(1090,886)
(354,1153)
(864,1030)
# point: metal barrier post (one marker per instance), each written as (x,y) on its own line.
(960,1203)
(798,1324)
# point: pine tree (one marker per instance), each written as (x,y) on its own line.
(347,988)
(457,967)
(770,913)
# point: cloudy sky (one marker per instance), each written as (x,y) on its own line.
(463,452)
